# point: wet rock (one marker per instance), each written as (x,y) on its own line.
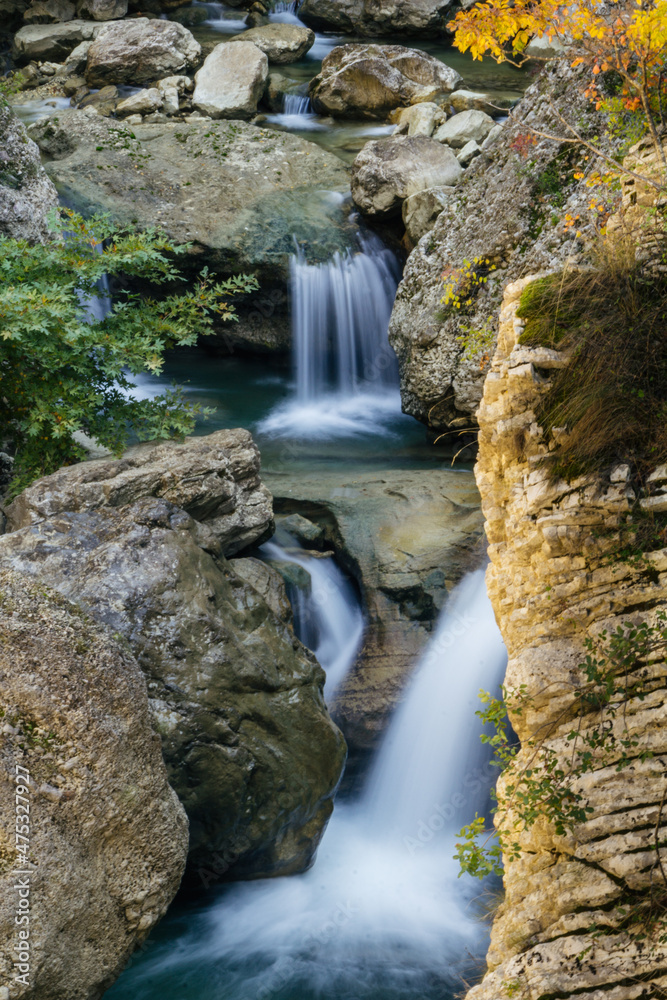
(49,12)
(104,101)
(26,193)
(231,81)
(419,18)
(406,539)
(139,51)
(281,43)
(267,582)
(465,127)
(369,81)
(267,187)
(387,171)
(246,737)
(109,838)
(214,478)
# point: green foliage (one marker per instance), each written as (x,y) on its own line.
(64,371)
(478,342)
(10,84)
(541,783)
(609,403)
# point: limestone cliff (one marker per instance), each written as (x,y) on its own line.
(555,578)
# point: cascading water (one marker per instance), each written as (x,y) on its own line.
(328,619)
(381,915)
(297,104)
(345,371)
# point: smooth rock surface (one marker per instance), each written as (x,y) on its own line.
(231,81)
(108,837)
(27,194)
(387,171)
(421,210)
(465,127)
(142,103)
(267,187)
(369,81)
(51,41)
(419,119)
(281,43)
(139,51)
(419,18)
(214,478)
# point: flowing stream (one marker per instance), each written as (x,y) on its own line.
(381,915)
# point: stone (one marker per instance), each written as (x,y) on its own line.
(277,86)
(267,188)
(419,119)
(27,195)
(102,10)
(104,101)
(417,18)
(249,746)
(370,81)
(466,155)
(140,51)
(77,59)
(190,17)
(467,100)
(569,895)
(109,839)
(231,81)
(51,41)
(421,210)
(214,478)
(49,12)
(267,582)
(142,103)
(465,127)
(281,43)
(387,171)
(405,539)
(497,213)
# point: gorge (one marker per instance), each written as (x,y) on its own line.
(257,647)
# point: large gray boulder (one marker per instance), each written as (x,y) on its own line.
(214,478)
(51,42)
(387,171)
(246,737)
(467,126)
(238,193)
(27,194)
(231,81)
(140,50)
(370,81)
(417,18)
(107,836)
(282,43)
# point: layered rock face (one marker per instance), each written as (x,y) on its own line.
(249,746)
(507,212)
(107,836)
(27,194)
(556,578)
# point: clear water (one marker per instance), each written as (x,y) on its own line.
(381,914)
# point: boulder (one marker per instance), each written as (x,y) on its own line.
(248,743)
(419,119)
(104,101)
(140,51)
(418,18)
(369,81)
(214,478)
(43,42)
(465,127)
(467,100)
(420,210)
(108,838)
(238,193)
(466,155)
(231,81)
(143,103)
(387,171)
(281,43)
(102,10)
(26,193)
(49,12)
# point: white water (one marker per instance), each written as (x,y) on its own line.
(297,104)
(381,915)
(328,620)
(344,368)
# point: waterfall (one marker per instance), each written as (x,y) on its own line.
(328,620)
(297,104)
(381,915)
(344,368)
